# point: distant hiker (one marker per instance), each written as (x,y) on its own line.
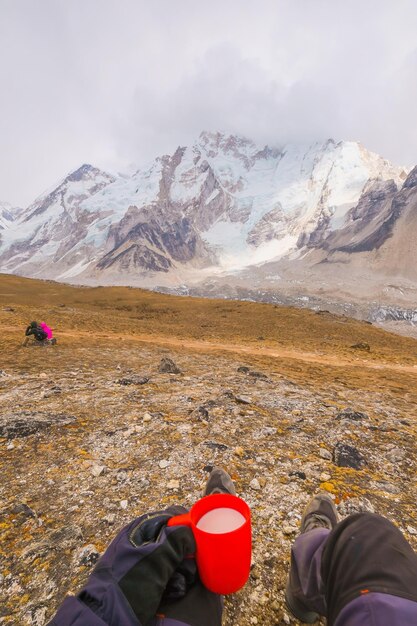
(359,572)
(41,334)
(34,330)
(49,335)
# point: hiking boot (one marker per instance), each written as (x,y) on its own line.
(320,512)
(219,481)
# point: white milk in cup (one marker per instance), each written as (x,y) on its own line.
(221,520)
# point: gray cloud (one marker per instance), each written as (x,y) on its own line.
(114,81)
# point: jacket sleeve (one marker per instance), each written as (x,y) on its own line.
(73,612)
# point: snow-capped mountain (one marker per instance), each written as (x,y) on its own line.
(219,205)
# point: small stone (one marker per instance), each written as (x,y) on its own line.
(411,530)
(163,463)
(258,375)
(167,366)
(297,474)
(243,399)
(396,454)
(362,345)
(325,454)
(239,451)
(147,417)
(288,530)
(110,519)
(387,487)
(89,555)
(348,456)
(98,470)
(10,446)
(43,375)
(123,504)
(173,484)
(349,414)
(325,477)
(254,484)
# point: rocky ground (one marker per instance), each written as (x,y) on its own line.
(92,433)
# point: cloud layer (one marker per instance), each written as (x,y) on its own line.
(118,81)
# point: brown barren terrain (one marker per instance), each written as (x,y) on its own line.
(85,424)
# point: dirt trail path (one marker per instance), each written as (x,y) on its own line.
(208,346)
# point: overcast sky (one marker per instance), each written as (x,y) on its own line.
(111,82)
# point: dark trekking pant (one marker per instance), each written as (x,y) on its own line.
(362,572)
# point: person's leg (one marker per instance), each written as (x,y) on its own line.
(26,341)
(367,554)
(363,554)
(305,593)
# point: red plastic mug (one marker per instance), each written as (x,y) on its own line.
(222,531)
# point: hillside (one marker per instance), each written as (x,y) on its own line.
(270,393)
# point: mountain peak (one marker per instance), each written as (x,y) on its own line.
(85,171)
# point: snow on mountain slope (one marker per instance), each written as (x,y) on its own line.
(53,224)
(6,215)
(222,203)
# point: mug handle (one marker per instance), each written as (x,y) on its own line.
(180,520)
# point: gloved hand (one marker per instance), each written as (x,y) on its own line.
(145,564)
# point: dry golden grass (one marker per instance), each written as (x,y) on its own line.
(106,333)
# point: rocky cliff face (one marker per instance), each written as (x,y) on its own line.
(221,204)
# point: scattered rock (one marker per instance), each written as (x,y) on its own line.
(97,470)
(287,529)
(396,454)
(163,463)
(133,380)
(411,530)
(362,345)
(355,505)
(325,477)
(243,369)
(298,474)
(124,504)
(2,373)
(167,366)
(349,414)
(258,375)
(325,454)
(89,555)
(201,413)
(254,484)
(345,455)
(23,508)
(110,519)
(387,487)
(147,417)
(243,399)
(173,484)
(215,446)
(25,423)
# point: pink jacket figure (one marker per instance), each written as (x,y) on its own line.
(47,330)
